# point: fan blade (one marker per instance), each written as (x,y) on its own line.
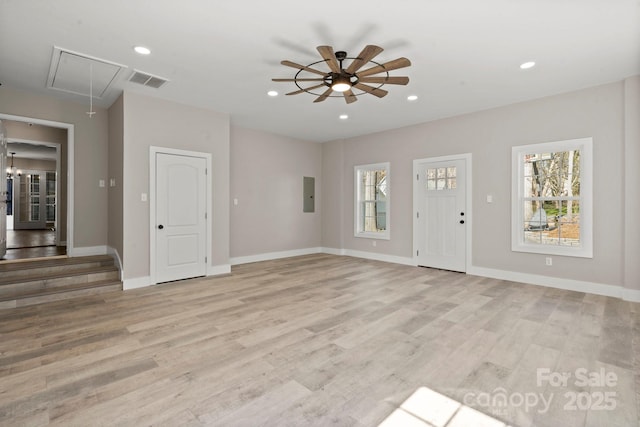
(324,96)
(372,90)
(386,80)
(328,55)
(305,89)
(349,96)
(368,53)
(297,80)
(387,66)
(303,67)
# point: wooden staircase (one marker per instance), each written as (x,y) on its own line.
(28,282)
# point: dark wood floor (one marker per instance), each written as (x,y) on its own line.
(322,340)
(25,244)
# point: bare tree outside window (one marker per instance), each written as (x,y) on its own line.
(372,201)
(549,184)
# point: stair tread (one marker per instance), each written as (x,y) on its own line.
(60,289)
(56,275)
(53,262)
(49,271)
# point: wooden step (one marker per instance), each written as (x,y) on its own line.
(38,281)
(22,268)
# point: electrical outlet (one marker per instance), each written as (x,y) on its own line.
(549,260)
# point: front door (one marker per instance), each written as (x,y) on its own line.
(181,209)
(440,214)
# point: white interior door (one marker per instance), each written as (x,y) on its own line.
(181,209)
(3,192)
(440,214)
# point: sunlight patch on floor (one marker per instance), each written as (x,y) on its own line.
(428,408)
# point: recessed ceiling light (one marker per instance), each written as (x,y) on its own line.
(527,65)
(344,116)
(142,50)
(272,93)
(412,97)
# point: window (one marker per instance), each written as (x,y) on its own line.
(552,207)
(441,178)
(372,201)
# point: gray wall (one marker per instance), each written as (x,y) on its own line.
(265,173)
(598,112)
(266,178)
(116,149)
(35,164)
(631,184)
(90,157)
(155,122)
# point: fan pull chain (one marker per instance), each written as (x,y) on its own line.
(91,112)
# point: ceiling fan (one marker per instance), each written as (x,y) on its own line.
(345,80)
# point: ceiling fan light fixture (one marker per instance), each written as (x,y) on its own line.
(340,83)
(362,73)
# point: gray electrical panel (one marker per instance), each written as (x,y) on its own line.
(309,194)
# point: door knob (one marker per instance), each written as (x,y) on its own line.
(462,221)
(160,227)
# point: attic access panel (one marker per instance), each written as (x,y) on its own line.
(72,72)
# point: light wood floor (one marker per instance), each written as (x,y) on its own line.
(316,340)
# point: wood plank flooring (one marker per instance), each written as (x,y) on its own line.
(319,340)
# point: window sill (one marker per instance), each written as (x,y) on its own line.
(370,235)
(577,252)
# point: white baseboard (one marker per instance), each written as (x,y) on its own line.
(136,282)
(114,253)
(558,283)
(632,295)
(370,255)
(216,270)
(142,282)
(333,251)
(88,251)
(273,255)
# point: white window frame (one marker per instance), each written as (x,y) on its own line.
(518,244)
(357,225)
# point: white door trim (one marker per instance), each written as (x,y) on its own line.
(70,172)
(468,198)
(153,150)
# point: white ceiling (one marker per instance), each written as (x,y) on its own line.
(222,55)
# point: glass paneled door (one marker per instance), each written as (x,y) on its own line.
(32,201)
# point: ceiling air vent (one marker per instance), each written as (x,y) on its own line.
(147,79)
